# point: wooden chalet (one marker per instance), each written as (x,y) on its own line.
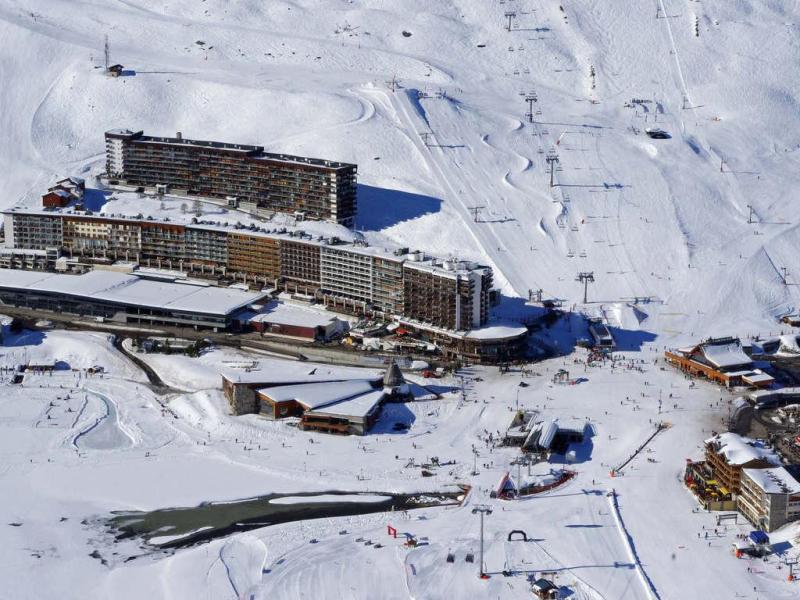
(344,407)
(721,360)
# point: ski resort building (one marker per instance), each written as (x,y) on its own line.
(491,343)
(346,401)
(769,498)
(601,336)
(345,406)
(56,199)
(280,318)
(445,302)
(314,188)
(717,480)
(63,192)
(721,360)
(125,298)
(531,433)
(728,453)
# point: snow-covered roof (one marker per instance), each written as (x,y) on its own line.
(41,362)
(499,331)
(317,395)
(72,179)
(725,355)
(119,131)
(494,331)
(774,481)
(757,377)
(286,314)
(449,268)
(357,406)
(549,431)
(280,372)
(739,450)
(132,290)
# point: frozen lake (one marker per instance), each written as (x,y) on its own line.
(186,526)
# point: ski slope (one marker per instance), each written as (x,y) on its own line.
(651,218)
(661,219)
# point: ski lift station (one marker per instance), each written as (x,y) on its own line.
(601,336)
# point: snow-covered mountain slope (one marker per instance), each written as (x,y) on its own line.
(660,218)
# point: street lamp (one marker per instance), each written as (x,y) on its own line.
(482,509)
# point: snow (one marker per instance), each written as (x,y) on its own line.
(191,440)
(662,224)
(774,481)
(329,498)
(244,558)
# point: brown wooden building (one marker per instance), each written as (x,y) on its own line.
(721,360)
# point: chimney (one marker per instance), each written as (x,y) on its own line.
(179,135)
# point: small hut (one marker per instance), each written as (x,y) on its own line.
(545,589)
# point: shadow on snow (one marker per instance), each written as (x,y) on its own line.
(380,208)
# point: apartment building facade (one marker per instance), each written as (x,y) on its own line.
(256,259)
(446,299)
(317,188)
(33,231)
(769,498)
(449,293)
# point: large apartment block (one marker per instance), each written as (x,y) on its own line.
(354,278)
(450,293)
(317,188)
